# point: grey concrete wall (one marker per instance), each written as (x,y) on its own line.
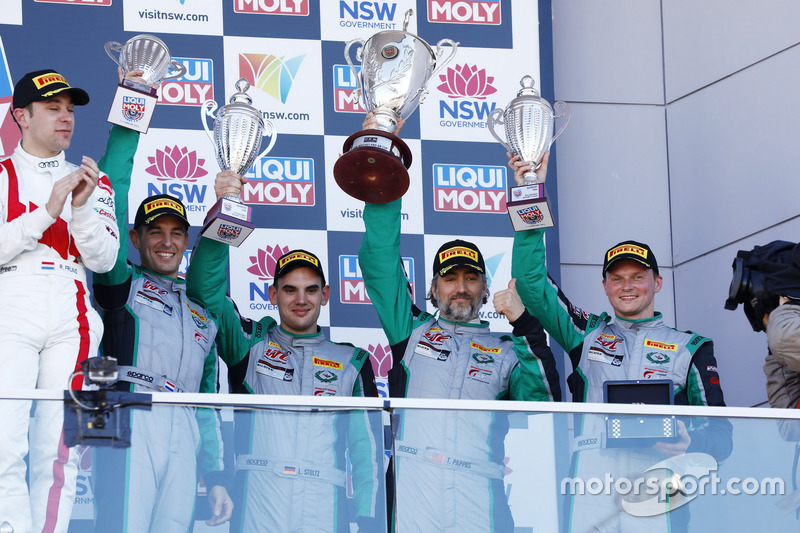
(684,134)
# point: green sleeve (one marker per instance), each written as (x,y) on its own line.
(206,284)
(381,266)
(117,162)
(209,457)
(540,294)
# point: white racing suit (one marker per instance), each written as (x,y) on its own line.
(47,326)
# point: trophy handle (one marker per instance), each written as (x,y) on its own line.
(180,69)
(496,117)
(113,46)
(440,63)
(562,111)
(347,46)
(268,125)
(207,109)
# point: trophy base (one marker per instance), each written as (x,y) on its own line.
(373,167)
(133,106)
(530,208)
(228,222)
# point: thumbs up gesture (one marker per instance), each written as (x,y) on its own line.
(508,302)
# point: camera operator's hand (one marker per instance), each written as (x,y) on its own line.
(671,449)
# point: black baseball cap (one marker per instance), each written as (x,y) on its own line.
(155,206)
(632,250)
(42,85)
(458,253)
(296,259)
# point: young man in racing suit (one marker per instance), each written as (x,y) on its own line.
(635,345)
(291,465)
(163,342)
(457,455)
(56,221)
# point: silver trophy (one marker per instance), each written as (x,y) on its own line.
(238,130)
(147,53)
(396,67)
(529,121)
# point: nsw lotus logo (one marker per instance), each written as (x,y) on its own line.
(381,359)
(273,75)
(265,261)
(465,81)
(176,163)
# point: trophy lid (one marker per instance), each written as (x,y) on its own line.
(241,96)
(527,95)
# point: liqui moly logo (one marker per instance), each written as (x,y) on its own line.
(484,12)
(345,93)
(351,282)
(271,7)
(193,88)
(469,188)
(281,181)
(133,107)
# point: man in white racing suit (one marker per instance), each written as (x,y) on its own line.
(56,221)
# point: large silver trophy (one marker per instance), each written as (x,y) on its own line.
(395,69)
(149,54)
(134,103)
(238,130)
(529,121)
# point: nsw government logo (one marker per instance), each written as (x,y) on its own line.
(469,188)
(178,168)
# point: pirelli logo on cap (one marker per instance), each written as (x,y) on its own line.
(484,349)
(661,345)
(298,255)
(46,79)
(627,249)
(327,363)
(457,251)
(161,203)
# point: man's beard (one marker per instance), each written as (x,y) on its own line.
(461,314)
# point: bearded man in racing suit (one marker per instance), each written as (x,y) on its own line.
(634,345)
(290,465)
(459,456)
(56,221)
(163,342)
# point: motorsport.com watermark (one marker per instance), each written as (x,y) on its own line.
(670,484)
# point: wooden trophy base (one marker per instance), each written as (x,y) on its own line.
(529,208)
(373,167)
(228,222)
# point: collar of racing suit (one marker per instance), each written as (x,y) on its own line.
(40,164)
(640,323)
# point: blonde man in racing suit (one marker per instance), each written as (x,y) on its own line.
(56,221)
